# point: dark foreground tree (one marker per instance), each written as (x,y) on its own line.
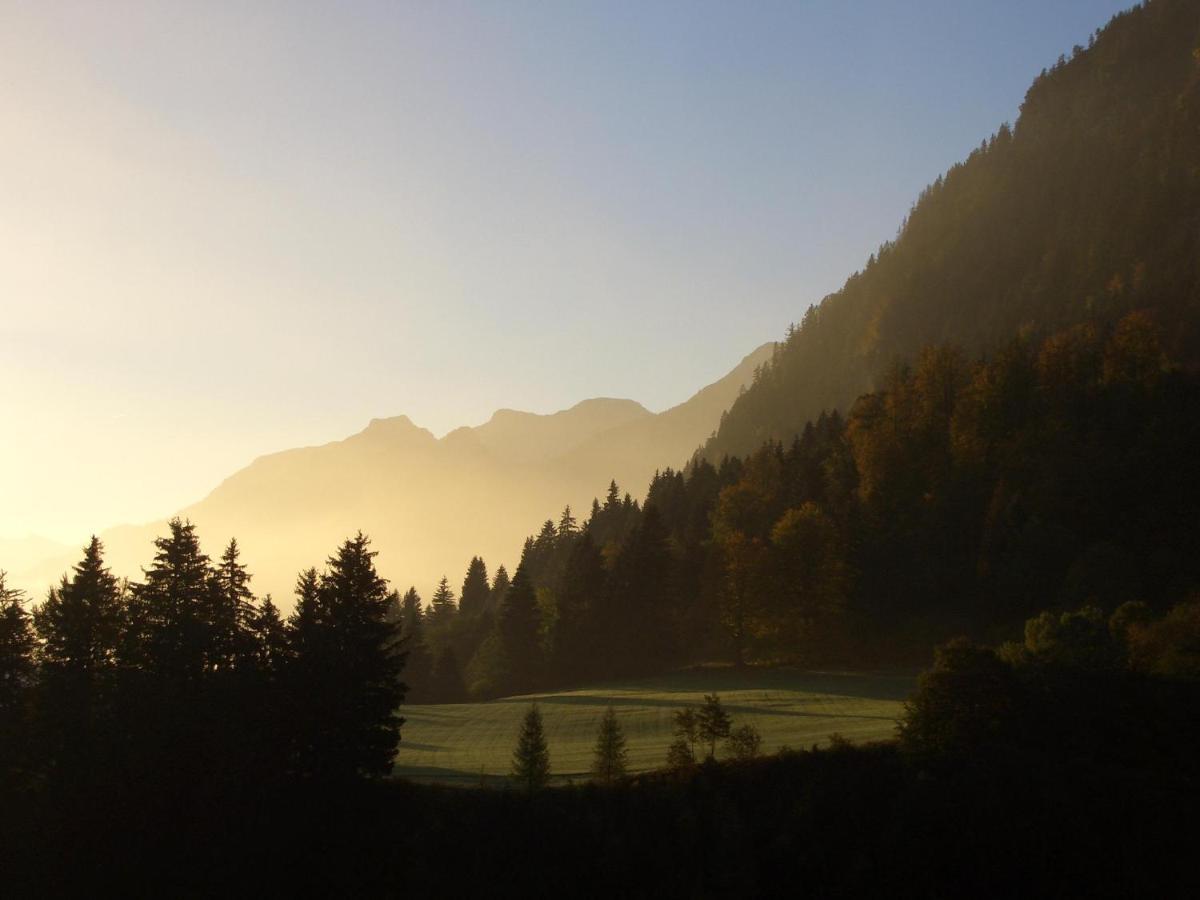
(531,759)
(79,625)
(16,674)
(345,675)
(611,757)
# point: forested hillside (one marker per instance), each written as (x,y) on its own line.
(1086,209)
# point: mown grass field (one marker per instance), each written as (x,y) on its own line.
(470,743)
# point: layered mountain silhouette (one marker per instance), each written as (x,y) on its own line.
(429,504)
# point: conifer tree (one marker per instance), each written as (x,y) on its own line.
(500,585)
(79,626)
(519,625)
(79,623)
(611,757)
(412,633)
(345,675)
(475,589)
(531,759)
(231,610)
(170,631)
(270,636)
(16,677)
(442,607)
(16,650)
(566,523)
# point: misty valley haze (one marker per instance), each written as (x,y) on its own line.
(429,504)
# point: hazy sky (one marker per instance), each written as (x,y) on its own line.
(229,228)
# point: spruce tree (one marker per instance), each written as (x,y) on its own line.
(500,586)
(346,669)
(16,649)
(270,636)
(412,633)
(566,523)
(79,626)
(16,678)
(170,630)
(475,589)
(231,610)
(531,759)
(611,757)
(519,625)
(442,608)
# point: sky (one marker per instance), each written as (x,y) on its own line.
(229,228)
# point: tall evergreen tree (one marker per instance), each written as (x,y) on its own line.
(412,632)
(611,758)
(519,627)
(231,610)
(442,608)
(79,626)
(500,585)
(170,630)
(475,589)
(531,759)
(16,677)
(566,523)
(346,669)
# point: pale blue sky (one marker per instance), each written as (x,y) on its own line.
(228,228)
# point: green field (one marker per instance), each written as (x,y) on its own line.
(472,742)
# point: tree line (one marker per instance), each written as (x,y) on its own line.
(960,497)
(184,680)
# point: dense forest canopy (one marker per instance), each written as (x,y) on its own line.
(1086,209)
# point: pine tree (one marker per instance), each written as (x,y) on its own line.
(231,610)
(500,586)
(519,625)
(611,757)
(79,626)
(566,523)
(475,589)
(16,678)
(442,607)
(345,675)
(16,650)
(412,632)
(531,759)
(270,636)
(170,632)
(613,499)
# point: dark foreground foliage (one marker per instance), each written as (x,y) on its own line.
(840,822)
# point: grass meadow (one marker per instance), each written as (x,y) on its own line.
(472,743)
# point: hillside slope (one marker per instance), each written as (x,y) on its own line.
(1086,209)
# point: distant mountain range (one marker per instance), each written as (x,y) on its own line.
(429,504)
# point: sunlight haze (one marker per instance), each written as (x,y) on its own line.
(230,229)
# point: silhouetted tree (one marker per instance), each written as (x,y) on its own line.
(345,676)
(518,627)
(475,589)
(610,758)
(531,759)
